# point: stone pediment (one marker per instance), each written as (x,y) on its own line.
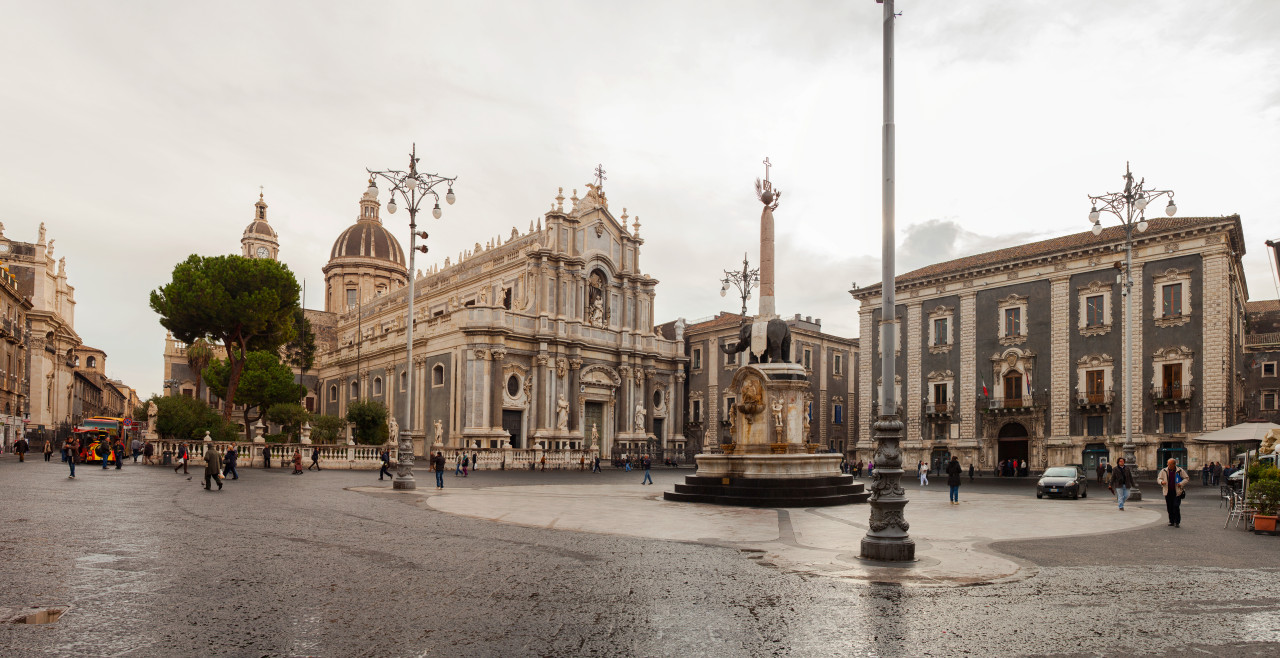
(600,375)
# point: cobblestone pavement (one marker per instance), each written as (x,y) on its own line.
(149,564)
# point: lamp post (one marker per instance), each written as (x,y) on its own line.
(887,539)
(1130,207)
(744,281)
(412,187)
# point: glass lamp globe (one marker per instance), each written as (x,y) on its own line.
(411,183)
(1142,226)
(1171,209)
(1094,214)
(1097,229)
(723,291)
(449,197)
(1141,204)
(391,205)
(435,212)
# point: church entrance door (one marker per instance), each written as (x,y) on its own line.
(513,423)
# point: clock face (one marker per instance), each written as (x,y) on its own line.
(262,252)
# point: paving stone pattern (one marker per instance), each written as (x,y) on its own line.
(282,565)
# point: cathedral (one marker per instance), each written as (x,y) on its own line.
(538,338)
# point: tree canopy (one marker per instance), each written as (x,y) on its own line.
(247,304)
(327,429)
(182,418)
(265,381)
(369,420)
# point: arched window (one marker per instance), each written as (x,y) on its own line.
(437,375)
(92,362)
(333,392)
(404,381)
(377,386)
(355,390)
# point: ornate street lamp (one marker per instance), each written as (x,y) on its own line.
(744,281)
(1130,207)
(412,187)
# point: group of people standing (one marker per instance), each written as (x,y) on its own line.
(1012,468)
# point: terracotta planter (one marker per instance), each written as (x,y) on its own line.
(1263,523)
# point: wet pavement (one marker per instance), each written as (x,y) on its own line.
(146,563)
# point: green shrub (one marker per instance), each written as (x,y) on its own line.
(1263,471)
(1264,496)
(327,429)
(369,420)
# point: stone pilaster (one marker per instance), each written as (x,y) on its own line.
(867,354)
(968,394)
(1216,309)
(575,403)
(496,385)
(1136,388)
(1060,356)
(911,344)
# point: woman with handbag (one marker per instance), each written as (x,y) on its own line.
(1173,482)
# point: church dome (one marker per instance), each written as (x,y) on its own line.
(260,228)
(368,239)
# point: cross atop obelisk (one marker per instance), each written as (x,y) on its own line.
(769,197)
(600,177)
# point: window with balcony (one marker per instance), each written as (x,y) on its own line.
(1013,389)
(940,397)
(1095,386)
(1171,379)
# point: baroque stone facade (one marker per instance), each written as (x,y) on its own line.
(1018,353)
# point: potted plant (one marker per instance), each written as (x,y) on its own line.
(1264,497)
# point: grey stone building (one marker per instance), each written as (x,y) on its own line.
(1261,363)
(1017,353)
(831,363)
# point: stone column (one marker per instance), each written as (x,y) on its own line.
(677,413)
(1216,382)
(574,395)
(495,388)
(866,356)
(1136,388)
(766,258)
(967,319)
(911,348)
(541,393)
(649,386)
(1060,356)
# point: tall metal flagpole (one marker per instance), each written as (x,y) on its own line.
(887,537)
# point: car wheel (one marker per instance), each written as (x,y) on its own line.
(1074,496)
(1039,495)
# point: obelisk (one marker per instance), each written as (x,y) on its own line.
(770,199)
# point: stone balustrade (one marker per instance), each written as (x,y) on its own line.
(364,457)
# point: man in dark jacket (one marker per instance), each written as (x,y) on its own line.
(266,457)
(229,463)
(385,456)
(1121,481)
(437,464)
(104,450)
(212,467)
(953,479)
(20,447)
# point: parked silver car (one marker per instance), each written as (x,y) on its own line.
(1063,481)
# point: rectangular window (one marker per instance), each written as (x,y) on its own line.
(1173,422)
(808,359)
(1171,303)
(940,394)
(837,414)
(1095,386)
(697,358)
(1269,401)
(730,359)
(1269,369)
(728,404)
(1094,308)
(1172,378)
(838,360)
(1013,387)
(1095,425)
(1013,322)
(311,404)
(940,331)
(697,411)
(353,297)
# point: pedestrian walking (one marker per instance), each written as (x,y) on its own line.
(924,474)
(871,467)
(104,450)
(148,453)
(582,462)
(182,459)
(1102,470)
(1121,481)
(437,463)
(385,458)
(953,479)
(626,463)
(475,461)
(229,465)
(595,465)
(544,463)
(1204,475)
(117,447)
(1217,473)
(858,472)
(297,461)
(1173,482)
(466,461)
(457,466)
(48,449)
(647,478)
(971,472)
(20,446)
(71,448)
(135,447)
(212,468)
(266,456)
(315,458)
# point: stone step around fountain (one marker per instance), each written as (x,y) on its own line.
(770,492)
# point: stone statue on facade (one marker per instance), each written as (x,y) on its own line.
(639,417)
(679,329)
(597,314)
(439,438)
(393,428)
(562,413)
(595,436)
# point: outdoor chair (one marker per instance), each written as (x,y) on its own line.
(1224,496)
(1239,512)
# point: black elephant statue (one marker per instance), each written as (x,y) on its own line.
(777,345)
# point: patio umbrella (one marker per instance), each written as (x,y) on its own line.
(1242,433)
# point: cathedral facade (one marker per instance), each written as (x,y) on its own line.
(538,338)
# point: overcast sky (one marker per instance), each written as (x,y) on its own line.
(139,132)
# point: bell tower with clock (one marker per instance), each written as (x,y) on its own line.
(259,239)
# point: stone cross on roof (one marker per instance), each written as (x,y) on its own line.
(600,178)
